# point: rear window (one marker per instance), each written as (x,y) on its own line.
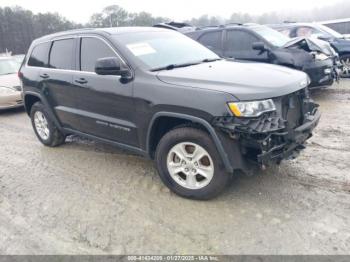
(40,55)
(61,55)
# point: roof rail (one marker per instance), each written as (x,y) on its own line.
(289,22)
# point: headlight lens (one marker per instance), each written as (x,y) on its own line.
(6,90)
(320,56)
(252,109)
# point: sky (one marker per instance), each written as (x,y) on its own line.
(177,10)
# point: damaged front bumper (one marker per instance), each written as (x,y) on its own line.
(273,136)
(322,73)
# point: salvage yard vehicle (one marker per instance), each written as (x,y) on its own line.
(163,95)
(10,88)
(253,42)
(338,41)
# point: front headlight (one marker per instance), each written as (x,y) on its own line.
(252,108)
(6,90)
(320,56)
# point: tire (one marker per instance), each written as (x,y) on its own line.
(53,137)
(192,139)
(345,60)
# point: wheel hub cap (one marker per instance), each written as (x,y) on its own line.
(41,125)
(190,165)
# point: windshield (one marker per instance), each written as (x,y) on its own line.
(330,31)
(8,66)
(161,49)
(272,36)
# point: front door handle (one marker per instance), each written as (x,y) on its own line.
(81,81)
(44,76)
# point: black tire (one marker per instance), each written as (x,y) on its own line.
(55,137)
(220,178)
(345,59)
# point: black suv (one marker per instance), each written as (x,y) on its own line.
(336,40)
(260,43)
(162,95)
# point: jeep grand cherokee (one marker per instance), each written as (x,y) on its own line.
(163,95)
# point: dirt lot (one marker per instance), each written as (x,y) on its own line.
(89,198)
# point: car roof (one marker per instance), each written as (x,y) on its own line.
(101,31)
(287,24)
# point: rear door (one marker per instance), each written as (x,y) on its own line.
(238,44)
(56,81)
(106,107)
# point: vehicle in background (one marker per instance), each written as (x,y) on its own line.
(19,58)
(253,42)
(177,26)
(10,88)
(159,93)
(338,41)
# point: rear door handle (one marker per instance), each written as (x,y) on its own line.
(81,81)
(44,76)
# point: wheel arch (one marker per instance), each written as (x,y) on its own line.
(178,119)
(30,98)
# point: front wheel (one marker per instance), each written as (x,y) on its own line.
(189,164)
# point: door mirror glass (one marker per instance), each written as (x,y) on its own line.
(110,66)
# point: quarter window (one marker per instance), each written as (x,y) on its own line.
(62,54)
(93,49)
(40,55)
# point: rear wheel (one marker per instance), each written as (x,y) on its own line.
(189,164)
(345,61)
(44,127)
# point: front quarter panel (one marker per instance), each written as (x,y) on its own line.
(153,96)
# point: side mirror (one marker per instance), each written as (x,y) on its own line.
(110,66)
(260,46)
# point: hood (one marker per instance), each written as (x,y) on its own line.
(11,80)
(244,80)
(311,45)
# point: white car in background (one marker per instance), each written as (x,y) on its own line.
(10,88)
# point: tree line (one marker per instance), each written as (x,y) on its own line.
(19,27)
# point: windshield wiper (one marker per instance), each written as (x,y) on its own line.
(207,60)
(172,66)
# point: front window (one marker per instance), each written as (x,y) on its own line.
(272,36)
(161,49)
(8,66)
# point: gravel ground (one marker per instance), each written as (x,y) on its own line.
(89,198)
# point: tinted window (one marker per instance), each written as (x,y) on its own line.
(211,40)
(240,41)
(40,55)
(61,54)
(89,58)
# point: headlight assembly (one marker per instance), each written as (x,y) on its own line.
(320,56)
(6,90)
(252,108)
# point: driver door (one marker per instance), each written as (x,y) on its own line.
(105,105)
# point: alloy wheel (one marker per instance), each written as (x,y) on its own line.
(190,165)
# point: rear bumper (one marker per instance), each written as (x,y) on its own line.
(11,101)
